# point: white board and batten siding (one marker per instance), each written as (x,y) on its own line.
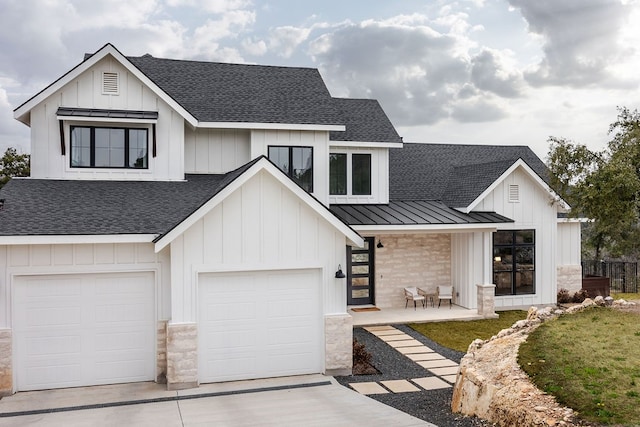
(216,151)
(86,92)
(261,227)
(569,241)
(534,210)
(379,176)
(319,140)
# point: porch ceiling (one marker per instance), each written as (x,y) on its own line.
(423,212)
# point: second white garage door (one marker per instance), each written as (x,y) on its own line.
(259,324)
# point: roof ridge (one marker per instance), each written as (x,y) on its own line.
(202,61)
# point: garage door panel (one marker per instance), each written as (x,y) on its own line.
(72,331)
(276,332)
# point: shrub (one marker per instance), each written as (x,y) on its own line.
(563,296)
(580,296)
(360,354)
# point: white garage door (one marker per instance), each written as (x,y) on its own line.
(79,330)
(259,325)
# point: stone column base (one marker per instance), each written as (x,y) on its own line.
(6,363)
(161,352)
(182,356)
(486,300)
(338,347)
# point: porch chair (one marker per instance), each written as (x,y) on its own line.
(411,294)
(445,292)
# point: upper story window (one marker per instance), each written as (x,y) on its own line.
(102,147)
(360,167)
(297,162)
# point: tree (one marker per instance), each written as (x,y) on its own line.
(13,164)
(603,186)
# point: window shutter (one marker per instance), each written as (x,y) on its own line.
(110,84)
(514,193)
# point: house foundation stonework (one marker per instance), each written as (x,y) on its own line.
(338,338)
(182,356)
(161,352)
(6,365)
(422,260)
(486,300)
(570,278)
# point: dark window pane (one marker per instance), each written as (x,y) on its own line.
(302,158)
(503,283)
(360,257)
(360,281)
(80,147)
(337,173)
(502,259)
(503,237)
(524,236)
(109,149)
(360,269)
(138,155)
(361,174)
(280,156)
(524,282)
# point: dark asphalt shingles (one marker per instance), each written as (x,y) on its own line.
(433,406)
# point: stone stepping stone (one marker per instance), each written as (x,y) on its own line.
(368,388)
(441,363)
(404,343)
(431,383)
(444,371)
(399,337)
(450,378)
(425,356)
(379,328)
(387,332)
(414,350)
(400,386)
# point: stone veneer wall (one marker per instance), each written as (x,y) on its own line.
(182,356)
(338,347)
(161,352)
(422,260)
(6,365)
(570,278)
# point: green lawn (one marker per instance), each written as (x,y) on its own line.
(591,362)
(459,334)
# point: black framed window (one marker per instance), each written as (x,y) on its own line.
(296,162)
(514,262)
(337,173)
(361,174)
(102,147)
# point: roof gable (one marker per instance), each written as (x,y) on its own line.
(457,174)
(22,113)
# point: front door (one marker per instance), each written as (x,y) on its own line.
(360,273)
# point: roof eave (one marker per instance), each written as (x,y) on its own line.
(270,126)
(365,144)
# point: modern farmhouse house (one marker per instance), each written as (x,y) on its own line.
(189,222)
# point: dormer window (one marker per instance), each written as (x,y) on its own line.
(355,166)
(102,147)
(297,162)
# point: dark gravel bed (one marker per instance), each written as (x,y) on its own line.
(433,406)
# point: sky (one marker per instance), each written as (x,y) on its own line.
(506,72)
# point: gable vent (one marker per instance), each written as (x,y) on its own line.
(514,193)
(110,84)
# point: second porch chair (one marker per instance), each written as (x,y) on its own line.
(446,293)
(411,294)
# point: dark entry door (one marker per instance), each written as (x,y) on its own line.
(360,274)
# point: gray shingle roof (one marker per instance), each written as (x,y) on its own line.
(74,207)
(365,121)
(456,174)
(428,212)
(220,92)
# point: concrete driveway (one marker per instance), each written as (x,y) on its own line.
(309,400)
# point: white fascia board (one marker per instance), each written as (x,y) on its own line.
(518,163)
(77,239)
(573,220)
(270,126)
(424,228)
(262,164)
(104,119)
(21,112)
(364,144)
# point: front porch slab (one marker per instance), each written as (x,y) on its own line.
(390,316)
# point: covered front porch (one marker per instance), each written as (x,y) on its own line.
(371,316)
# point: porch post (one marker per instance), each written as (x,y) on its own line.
(486,301)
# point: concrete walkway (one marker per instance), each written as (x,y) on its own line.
(309,400)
